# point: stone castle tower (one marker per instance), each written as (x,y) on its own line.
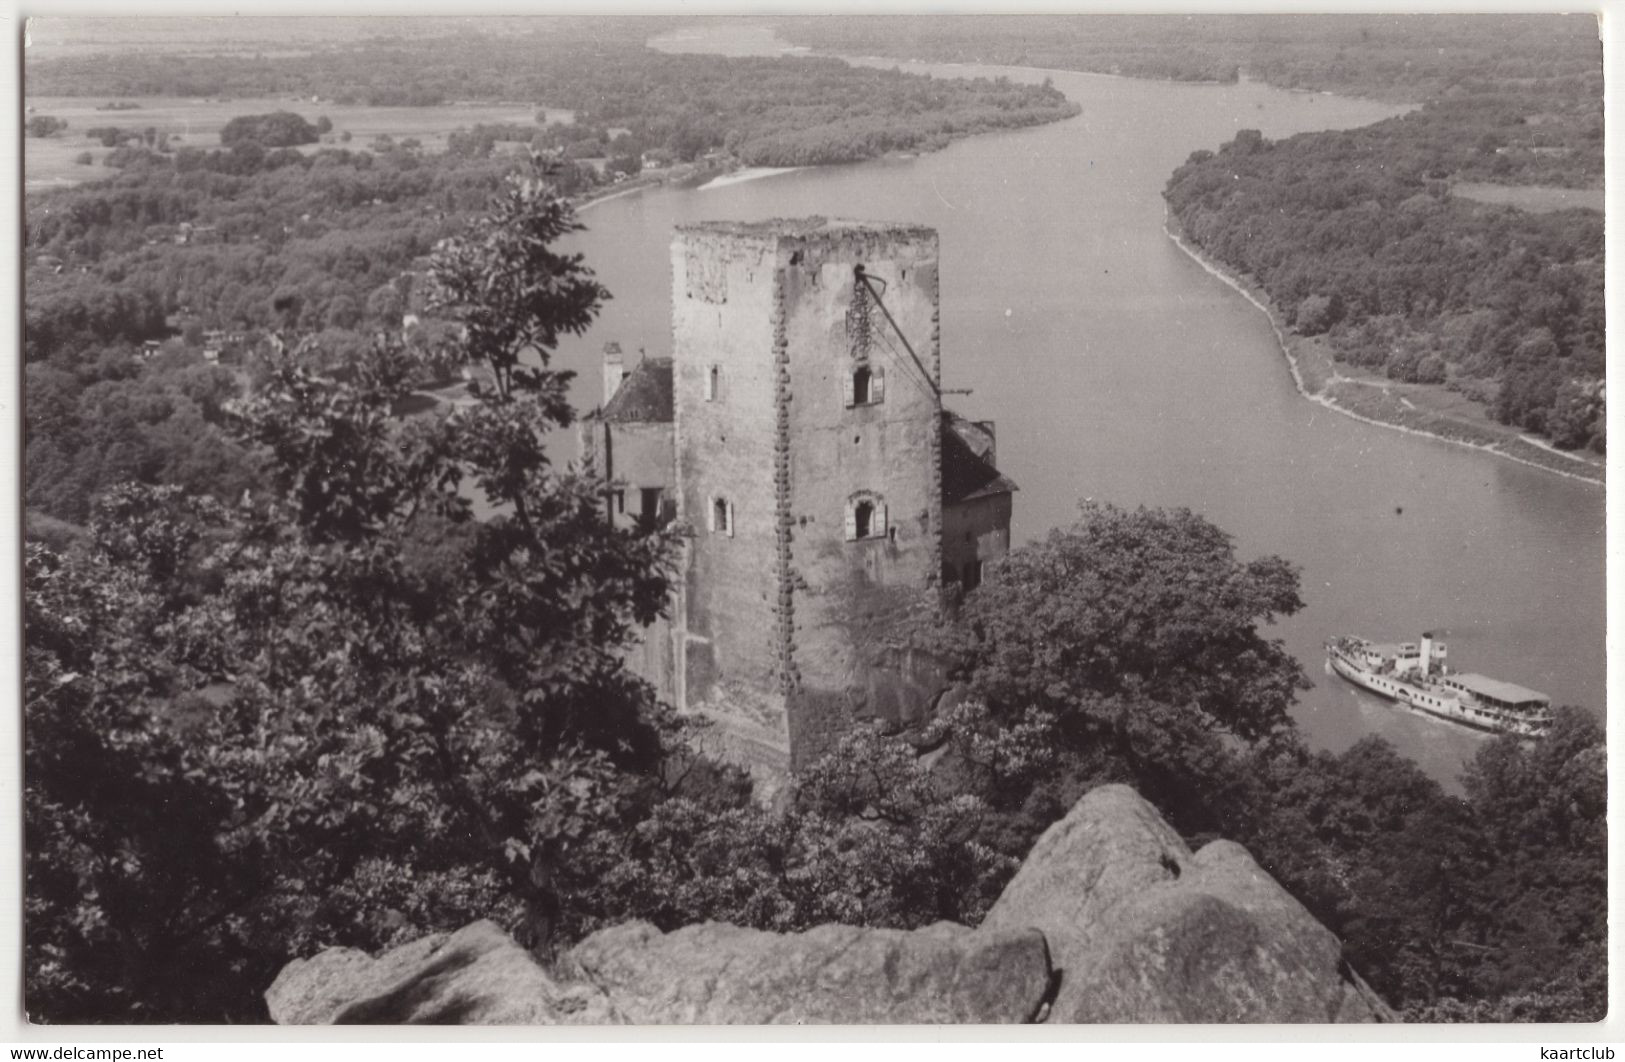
(798,433)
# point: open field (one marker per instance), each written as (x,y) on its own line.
(1537,199)
(49,162)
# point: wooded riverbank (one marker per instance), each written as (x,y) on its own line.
(1374,401)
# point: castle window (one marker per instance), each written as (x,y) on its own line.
(649,512)
(972,577)
(865,386)
(865,517)
(713,376)
(619,498)
(722,516)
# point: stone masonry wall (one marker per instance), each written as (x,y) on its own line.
(845,594)
(722,313)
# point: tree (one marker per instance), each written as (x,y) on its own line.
(385,305)
(869,836)
(1577,416)
(143,862)
(274,130)
(1315,315)
(377,715)
(43,125)
(510,697)
(1541,877)
(1124,648)
(1151,605)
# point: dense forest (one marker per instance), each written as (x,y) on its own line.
(1404,58)
(131,280)
(1356,235)
(764,112)
(337,709)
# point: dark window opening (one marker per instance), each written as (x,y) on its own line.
(863,518)
(649,514)
(972,577)
(860,386)
(722,516)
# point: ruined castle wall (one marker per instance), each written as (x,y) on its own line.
(723,315)
(847,595)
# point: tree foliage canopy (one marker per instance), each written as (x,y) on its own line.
(1143,605)
(1357,235)
(279,129)
(355,675)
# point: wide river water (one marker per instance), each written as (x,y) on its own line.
(1117,368)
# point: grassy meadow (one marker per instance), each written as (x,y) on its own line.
(1534,198)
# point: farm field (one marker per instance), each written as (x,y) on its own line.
(1537,199)
(50,162)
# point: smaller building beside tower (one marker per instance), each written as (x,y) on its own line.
(628,440)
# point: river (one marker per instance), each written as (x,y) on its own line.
(1118,368)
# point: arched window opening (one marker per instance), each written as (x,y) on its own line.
(722,516)
(713,376)
(864,385)
(865,517)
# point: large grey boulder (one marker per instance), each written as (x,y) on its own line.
(475,976)
(1142,930)
(718,974)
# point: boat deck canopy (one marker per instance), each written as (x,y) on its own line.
(1496,690)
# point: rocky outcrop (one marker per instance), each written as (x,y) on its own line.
(475,976)
(1141,930)
(1111,919)
(717,974)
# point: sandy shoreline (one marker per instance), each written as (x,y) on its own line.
(1583,470)
(749,173)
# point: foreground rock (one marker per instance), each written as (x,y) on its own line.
(717,974)
(1111,919)
(1141,930)
(475,976)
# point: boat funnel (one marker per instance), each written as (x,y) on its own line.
(1427,653)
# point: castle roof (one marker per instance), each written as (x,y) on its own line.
(967,462)
(644,396)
